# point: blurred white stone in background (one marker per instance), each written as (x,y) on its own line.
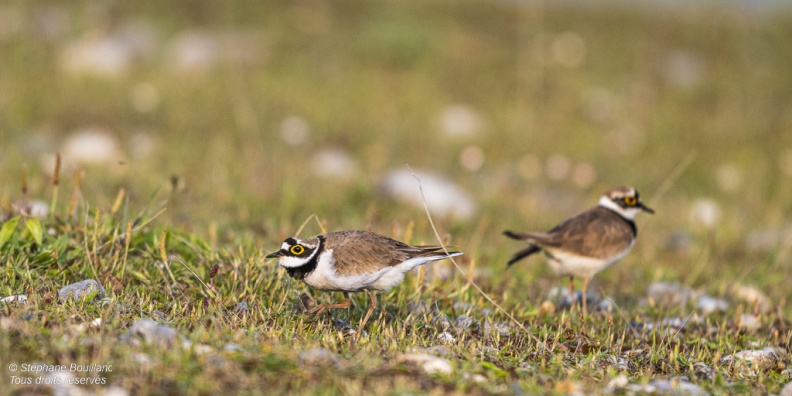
(753,296)
(557,167)
(708,304)
(443,197)
(529,167)
(294,130)
(705,212)
(584,174)
(568,50)
(685,69)
(430,364)
(99,56)
(460,120)
(91,145)
(334,162)
(197,51)
(729,177)
(192,51)
(34,208)
(111,55)
(471,158)
(145,97)
(666,294)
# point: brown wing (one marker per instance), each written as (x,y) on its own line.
(598,231)
(358,252)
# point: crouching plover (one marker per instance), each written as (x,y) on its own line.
(351,261)
(590,242)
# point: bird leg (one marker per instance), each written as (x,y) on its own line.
(320,308)
(572,299)
(583,289)
(372,306)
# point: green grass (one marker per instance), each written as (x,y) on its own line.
(221,187)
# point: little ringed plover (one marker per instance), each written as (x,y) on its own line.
(352,261)
(589,242)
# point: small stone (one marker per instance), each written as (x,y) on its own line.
(82,327)
(334,163)
(752,295)
(756,359)
(460,120)
(464,322)
(441,321)
(242,308)
(607,305)
(705,212)
(679,385)
(33,208)
(620,381)
(560,295)
(343,326)
(92,145)
(116,391)
(295,130)
(786,390)
(318,357)
(15,299)
(748,321)
(666,294)
(703,372)
(61,383)
(98,56)
(430,364)
(150,332)
(446,338)
(474,378)
(81,289)
(159,315)
(202,349)
(232,347)
(708,304)
(500,328)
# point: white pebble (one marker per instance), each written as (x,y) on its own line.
(443,197)
(460,120)
(294,130)
(705,212)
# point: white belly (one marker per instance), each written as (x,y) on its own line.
(325,277)
(583,267)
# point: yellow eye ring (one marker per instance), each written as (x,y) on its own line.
(297,250)
(631,201)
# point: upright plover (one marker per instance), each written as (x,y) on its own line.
(590,242)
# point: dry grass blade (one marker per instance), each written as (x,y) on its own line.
(461,271)
(673,176)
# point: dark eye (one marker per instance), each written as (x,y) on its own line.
(297,250)
(630,201)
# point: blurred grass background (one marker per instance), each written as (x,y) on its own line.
(248,117)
